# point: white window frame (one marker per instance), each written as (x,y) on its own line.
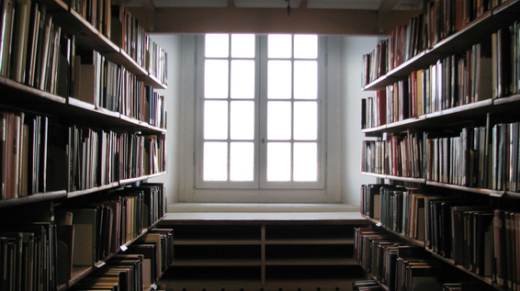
(330,118)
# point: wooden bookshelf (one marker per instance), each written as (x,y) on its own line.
(45,148)
(452,122)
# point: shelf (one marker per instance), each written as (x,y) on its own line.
(80,272)
(464,188)
(88,37)
(311,262)
(211,242)
(297,241)
(73,194)
(486,280)
(459,42)
(402,236)
(451,115)
(398,178)
(97,115)
(132,180)
(33,198)
(216,262)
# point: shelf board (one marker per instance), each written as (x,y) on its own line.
(312,241)
(91,190)
(406,179)
(312,262)
(156,175)
(33,198)
(216,262)
(381,176)
(132,180)
(486,280)
(402,236)
(211,242)
(463,188)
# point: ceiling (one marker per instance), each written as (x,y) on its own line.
(351,17)
(314,4)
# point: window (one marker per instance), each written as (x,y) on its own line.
(261,120)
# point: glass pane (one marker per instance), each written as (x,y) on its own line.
(305,80)
(242,45)
(216,79)
(279,46)
(306,46)
(278,161)
(242,159)
(305,162)
(217,45)
(279,79)
(215,120)
(305,120)
(242,120)
(279,120)
(215,161)
(243,79)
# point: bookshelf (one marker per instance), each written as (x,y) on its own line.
(73,156)
(439,194)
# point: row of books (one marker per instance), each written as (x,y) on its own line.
(480,156)
(110,86)
(117,24)
(40,154)
(28,256)
(133,39)
(395,154)
(138,268)
(100,157)
(33,50)
(156,61)
(91,230)
(439,20)
(450,82)
(97,12)
(399,266)
(476,236)
(396,265)
(31,145)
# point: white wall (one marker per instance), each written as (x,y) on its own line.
(353,49)
(171,43)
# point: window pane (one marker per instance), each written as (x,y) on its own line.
(215,161)
(306,46)
(216,79)
(278,161)
(243,79)
(215,120)
(217,45)
(242,120)
(279,120)
(242,45)
(279,46)
(242,161)
(279,79)
(305,120)
(305,80)
(305,162)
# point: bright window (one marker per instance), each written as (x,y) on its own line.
(261,123)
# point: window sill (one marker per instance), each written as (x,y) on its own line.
(261,207)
